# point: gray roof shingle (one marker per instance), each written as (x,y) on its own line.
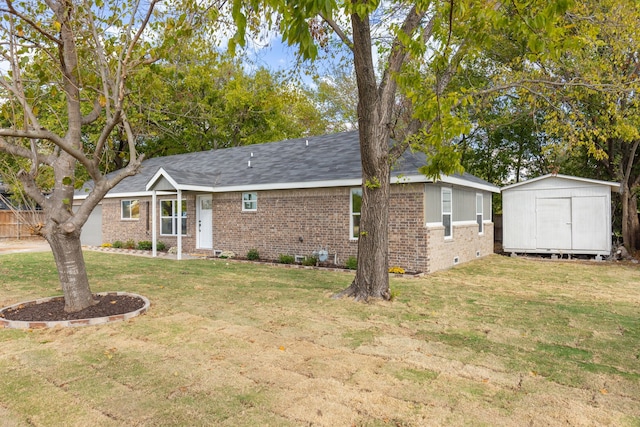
(302,160)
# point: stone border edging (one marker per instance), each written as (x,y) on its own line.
(20,324)
(311,267)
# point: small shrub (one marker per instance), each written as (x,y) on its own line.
(396,270)
(310,261)
(253,255)
(227,254)
(286,259)
(117,244)
(352,263)
(106,245)
(145,245)
(161,246)
(130,244)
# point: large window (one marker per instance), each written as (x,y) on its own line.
(130,209)
(249,201)
(356,205)
(169,218)
(479,212)
(446,211)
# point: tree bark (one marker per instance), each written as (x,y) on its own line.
(374,114)
(372,274)
(67,252)
(630,222)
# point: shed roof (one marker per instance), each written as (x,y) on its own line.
(313,162)
(613,185)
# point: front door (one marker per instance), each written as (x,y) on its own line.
(205,222)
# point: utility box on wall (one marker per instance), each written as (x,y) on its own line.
(558,214)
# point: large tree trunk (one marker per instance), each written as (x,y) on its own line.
(67,252)
(372,275)
(630,223)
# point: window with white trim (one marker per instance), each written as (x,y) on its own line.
(447,212)
(480,212)
(129,209)
(356,206)
(249,201)
(169,223)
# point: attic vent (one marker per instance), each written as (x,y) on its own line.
(306,143)
(251,155)
(249,164)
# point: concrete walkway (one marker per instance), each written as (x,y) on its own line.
(12,246)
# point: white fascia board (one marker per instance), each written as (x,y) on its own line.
(613,185)
(187,187)
(353,182)
(161,173)
(454,180)
(290,185)
(135,194)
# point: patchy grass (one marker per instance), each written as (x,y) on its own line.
(499,341)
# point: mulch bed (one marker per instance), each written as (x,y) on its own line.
(53,310)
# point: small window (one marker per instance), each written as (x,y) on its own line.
(479,212)
(249,201)
(130,209)
(356,206)
(446,212)
(169,218)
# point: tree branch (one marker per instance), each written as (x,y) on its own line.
(29,21)
(336,28)
(399,53)
(94,114)
(20,151)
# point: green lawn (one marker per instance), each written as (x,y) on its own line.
(499,341)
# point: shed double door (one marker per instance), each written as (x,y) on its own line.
(571,223)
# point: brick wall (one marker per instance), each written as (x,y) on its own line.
(292,222)
(466,245)
(299,222)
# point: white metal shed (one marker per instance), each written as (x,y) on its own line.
(558,214)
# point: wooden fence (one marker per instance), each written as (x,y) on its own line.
(19,224)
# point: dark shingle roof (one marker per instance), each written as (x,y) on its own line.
(303,160)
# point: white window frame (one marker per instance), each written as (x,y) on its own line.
(173,217)
(480,212)
(122,209)
(449,213)
(249,199)
(353,214)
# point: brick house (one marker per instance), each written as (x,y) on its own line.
(297,197)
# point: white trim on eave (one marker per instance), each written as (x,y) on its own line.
(613,185)
(353,182)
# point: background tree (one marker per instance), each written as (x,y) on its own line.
(505,145)
(420,47)
(72,60)
(337,97)
(588,97)
(214,103)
